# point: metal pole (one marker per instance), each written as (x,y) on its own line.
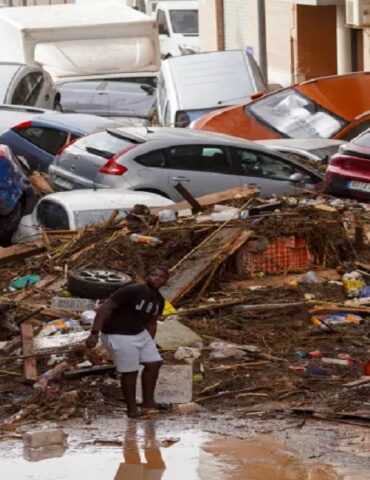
(344,60)
(262,44)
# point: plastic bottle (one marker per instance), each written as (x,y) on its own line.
(145,240)
(166,216)
(51,374)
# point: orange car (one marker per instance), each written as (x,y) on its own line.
(327,107)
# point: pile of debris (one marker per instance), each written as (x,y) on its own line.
(269,297)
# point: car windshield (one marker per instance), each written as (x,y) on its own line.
(184,21)
(295,115)
(7,73)
(362,140)
(89,217)
(52,215)
(104,144)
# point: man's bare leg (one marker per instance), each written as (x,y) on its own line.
(149,379)
(128,384)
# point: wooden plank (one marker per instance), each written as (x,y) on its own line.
(360,381)
(197,207)
(214,198)
(277,280)
(29,364)
(18,252)
(190,272)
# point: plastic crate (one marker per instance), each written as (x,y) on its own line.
(284,254)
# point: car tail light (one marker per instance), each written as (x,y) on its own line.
(62,148)
(23,125)
(337,161)
(111,167)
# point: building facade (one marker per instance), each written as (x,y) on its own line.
(305,38)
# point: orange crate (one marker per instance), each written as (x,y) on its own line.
(284,254)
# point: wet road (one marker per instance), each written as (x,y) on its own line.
(146,452)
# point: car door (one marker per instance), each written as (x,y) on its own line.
(165,40)
(273,174)
(78,97)
(40,144)
(202,169)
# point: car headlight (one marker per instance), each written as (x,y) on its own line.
(187,49)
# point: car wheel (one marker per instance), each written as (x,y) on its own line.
(9,224)
(95,283)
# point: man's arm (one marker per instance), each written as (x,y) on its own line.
(102,314)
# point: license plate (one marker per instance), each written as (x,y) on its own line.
(362,186)
(63,183)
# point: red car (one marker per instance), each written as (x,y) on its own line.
(348,172)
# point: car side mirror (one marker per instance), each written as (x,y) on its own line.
(163,30)
(298,178)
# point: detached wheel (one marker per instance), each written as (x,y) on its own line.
(94,284)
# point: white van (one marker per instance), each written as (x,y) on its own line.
(193,85)
(178,27)
(82,41)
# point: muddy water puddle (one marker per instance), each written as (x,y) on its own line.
(142,453)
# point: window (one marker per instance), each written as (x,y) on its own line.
(104,144)
(53,216)
(258,164)
(48,139)
(28,90)
(152,159)
(294,115)
(198,158)
(184,21)
(162,23)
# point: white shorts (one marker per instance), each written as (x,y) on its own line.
(129,351)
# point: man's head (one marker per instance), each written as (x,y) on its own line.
(157,277)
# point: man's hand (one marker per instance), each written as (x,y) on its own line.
(92,340)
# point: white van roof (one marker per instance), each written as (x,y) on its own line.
(213,79)
(72,15)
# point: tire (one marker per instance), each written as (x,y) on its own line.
(96,283)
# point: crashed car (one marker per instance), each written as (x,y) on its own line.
(79,208)
(348,171)
(327,107)
(17,196)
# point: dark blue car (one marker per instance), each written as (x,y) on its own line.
(40,138)
(17,197)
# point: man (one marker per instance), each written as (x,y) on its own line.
(128,322)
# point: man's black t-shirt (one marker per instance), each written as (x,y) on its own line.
(136,305)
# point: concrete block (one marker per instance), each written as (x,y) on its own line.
(42,438)
(43,453)
(172,334)
(175,384)
(72,304)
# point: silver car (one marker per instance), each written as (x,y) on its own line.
(27,85)
(156,160)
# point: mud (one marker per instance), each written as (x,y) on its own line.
(196,448)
